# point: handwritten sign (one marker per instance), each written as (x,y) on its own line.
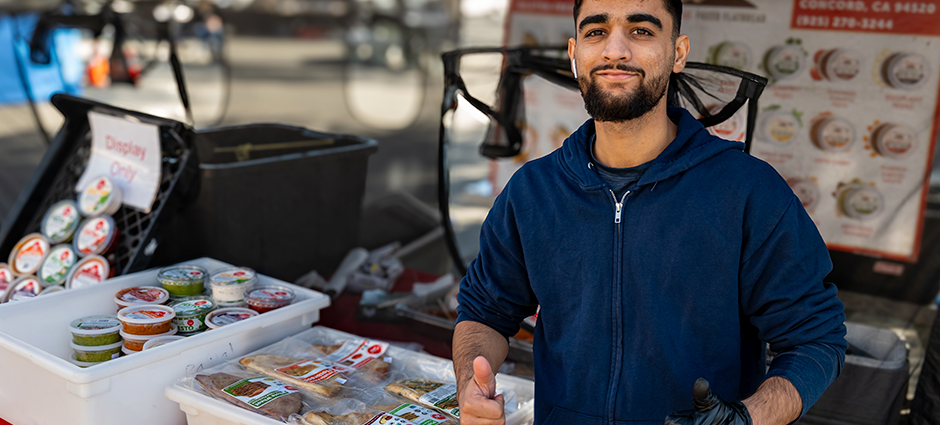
(129,153)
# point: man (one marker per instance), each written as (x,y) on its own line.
(659,255)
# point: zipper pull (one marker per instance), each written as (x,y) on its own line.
(619,210)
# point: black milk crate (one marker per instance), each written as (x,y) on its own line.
(65,161)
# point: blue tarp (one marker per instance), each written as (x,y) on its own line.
(63,74)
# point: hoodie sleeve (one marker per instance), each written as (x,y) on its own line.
(784,297)
(496,290)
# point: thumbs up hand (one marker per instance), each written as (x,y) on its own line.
(710,409)
(479,404)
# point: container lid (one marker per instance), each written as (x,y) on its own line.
(88,271)
(27,255)
(895,140)
(785,62)
(842,64)
(732,54)
(232,276)
(146,314)
(227,316)
(61,221)
(193,307)
(779,127)
(133,337)
(141,295)
(835,134)
(162,340)
(76,362)
(182,275)
(57,265)
(95,325)
(95,235)
(6,276)
(23,288)
(96,348)
(908,71)
(100,196)
(278,295)
(52,290)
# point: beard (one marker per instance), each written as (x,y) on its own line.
(608,107)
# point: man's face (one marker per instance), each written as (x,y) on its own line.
(624,54)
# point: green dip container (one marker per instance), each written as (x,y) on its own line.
(94,331)
(101,353)
(181,281)
(191,313)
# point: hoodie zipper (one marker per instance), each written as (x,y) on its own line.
(616,329)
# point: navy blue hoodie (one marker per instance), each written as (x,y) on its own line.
(708,258)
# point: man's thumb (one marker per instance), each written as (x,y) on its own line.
(483,375)
(702,396)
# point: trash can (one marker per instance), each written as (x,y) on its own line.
(283,200)
(873,383)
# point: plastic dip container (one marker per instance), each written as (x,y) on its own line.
(82,364)
(101,196)
(732,54)
(860,202)
(895,140)
(89,271)
(227,316)
(23,288)
(161,340)
(807,191)
(96,236)
(136,342)
(191,314)
(779,127)
(841,64)
(906,71)
(61,221)
(101,353)
(138,295)
(834,134)
(57,265)
(96,330)
(27,255)
(267,298)
(183,280)
(785,62)
(230,285)
(6,278)
(146,319)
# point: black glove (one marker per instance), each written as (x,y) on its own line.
(710,409)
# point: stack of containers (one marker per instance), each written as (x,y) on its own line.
(142,323)
(68,253)
(95,339)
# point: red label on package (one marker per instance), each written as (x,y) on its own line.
(354,355)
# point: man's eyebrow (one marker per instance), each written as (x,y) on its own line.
(645,17)
(600,18)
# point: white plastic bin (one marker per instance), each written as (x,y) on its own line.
(202,409)
(38,385)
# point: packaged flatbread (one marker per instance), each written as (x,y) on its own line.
(260,394)
(310,375)
(429,393)
(363,355)
(405,414)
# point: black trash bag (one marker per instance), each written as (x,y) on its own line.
(925,408)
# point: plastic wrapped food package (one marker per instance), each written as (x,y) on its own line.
(362,394)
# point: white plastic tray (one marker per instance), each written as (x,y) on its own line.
(38,385)
(202,409)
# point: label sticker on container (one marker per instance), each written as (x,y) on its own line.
(93,236)
(444,398)
(268,295)
(310,371)
(233,277)
(189,325)
(6,276)
(192,308)
(57,266)
(141,295)
(30,255)
(98,323)
(28,289)
(418,415)
(61,219)
(146,314)
(228,318)
(354,355)
(95,196)
(259,391)
(387,419)
(182,274)
(88,274)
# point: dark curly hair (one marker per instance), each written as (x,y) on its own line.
(674,7)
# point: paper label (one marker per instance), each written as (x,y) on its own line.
(257,392)
(418,415)
(88,274)
(146,314)
(183,275)
(229,318)
(129,153)
(60,221)
(269,295)
(354,355)
(93,235)
(310,371)
(136,295)
(27,289)
(99,323)
(233,277)
(387,419)
(189,325)
(57,265)
(192,308)
(30,255)
(444,398)
(6,276)
(95,196)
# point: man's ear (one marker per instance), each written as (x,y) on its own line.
(574,66)
(682,53)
